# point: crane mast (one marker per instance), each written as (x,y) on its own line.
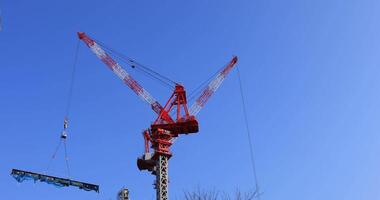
(162,132)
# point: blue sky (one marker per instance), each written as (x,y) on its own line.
(309,69)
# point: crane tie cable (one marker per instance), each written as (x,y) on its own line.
(63,136)
(251,145)
(195,92)
(148,71)
(72,80)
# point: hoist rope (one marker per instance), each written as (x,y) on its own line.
(66,158)
(1,17)
(249,137)
(67,112)
(72,80)
(145,70)
(151,75)
(148,71)
(54,154)
(197,91)
(1,20)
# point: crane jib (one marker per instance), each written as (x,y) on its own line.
(121,73)
(163,131)
(211,88)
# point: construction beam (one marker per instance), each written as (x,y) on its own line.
(21,175)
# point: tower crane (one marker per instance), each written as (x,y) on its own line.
(162,132)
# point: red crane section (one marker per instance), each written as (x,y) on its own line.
(212,87)
(123,75)
(184,122)
(159,136)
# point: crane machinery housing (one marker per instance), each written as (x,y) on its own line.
(165,128)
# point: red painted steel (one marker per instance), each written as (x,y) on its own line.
(165,128)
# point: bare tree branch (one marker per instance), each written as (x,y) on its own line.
(200,194)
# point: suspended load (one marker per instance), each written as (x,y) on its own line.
(21,176)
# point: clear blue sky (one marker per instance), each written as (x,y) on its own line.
(310,70)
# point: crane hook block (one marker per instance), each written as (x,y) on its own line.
(63,135)
(65,124)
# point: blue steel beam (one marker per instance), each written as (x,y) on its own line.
(21,176)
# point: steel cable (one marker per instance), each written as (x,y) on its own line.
(72,80)
(67,112)
(66,158)
(249,136)
(153,74)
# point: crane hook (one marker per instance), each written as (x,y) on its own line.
(65,125)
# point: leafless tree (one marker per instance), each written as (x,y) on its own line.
(199,194)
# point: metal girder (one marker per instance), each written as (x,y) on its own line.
(21,175)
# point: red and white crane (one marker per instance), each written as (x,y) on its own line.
(159,136)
